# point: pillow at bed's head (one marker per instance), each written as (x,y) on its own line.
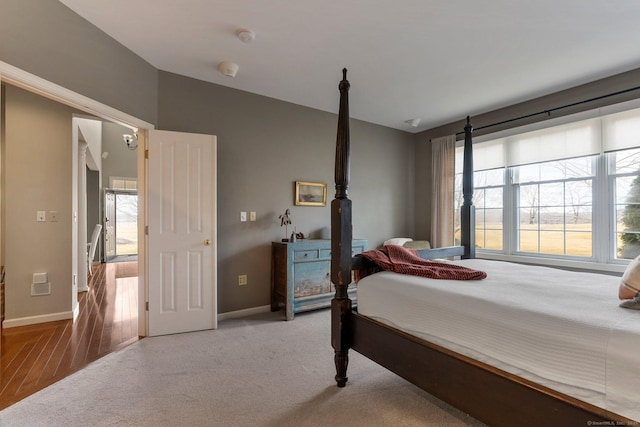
(631,276)
(399,241)
(418,244)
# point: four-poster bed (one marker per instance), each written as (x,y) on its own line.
(493,395)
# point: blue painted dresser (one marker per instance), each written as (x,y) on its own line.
(300,275)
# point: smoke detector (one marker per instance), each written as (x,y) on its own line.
(229,69)
(413,122)
(246,36)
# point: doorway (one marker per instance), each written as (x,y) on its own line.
(14,76)
(121,225)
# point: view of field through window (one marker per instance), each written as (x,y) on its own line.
(126,224)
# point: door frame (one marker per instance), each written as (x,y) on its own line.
(28,81)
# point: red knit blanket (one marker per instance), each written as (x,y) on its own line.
(406,261)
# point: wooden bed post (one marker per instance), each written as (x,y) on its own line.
(468,211)
(341,234)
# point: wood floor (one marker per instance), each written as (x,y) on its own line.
(33,357)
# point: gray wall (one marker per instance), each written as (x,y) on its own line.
(597,89)
(37,177)
(264,146)
(49,40)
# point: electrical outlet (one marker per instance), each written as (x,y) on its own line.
(242,280)
(252,216)
(53,216)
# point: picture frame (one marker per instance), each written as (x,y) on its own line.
(310,193)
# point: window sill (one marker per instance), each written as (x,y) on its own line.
(612,269)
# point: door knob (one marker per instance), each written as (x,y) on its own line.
(207,242)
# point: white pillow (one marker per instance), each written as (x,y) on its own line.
(399,241)
(418,244)
(631,276)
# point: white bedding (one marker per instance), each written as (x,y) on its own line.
(558,328)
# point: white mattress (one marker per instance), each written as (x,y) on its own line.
(558,328)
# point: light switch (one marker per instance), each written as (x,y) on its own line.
(243,217)
(41,216)
(53,216)
(252,216)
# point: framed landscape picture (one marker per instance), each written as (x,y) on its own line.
(311,193)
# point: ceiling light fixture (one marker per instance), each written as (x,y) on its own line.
(131,141)
(229,69)
(246,36)
(413,122)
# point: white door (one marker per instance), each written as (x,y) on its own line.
(182,227)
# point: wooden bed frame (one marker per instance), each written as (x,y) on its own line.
(490,395)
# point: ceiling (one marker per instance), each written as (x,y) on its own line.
(436,60)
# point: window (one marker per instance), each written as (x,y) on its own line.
(120,183)
(569,191)
(624,179)
(554,206)
(488,199)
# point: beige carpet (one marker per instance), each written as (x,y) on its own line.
(257,371)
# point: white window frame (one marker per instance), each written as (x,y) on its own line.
(603,227)
(514,210)
(126,179)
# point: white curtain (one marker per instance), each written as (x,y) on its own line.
(442,183)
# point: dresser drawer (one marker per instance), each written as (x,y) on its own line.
(325,253)
(304,255)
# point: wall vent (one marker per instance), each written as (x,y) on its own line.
(40,284)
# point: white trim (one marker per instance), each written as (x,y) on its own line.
(32,320)
(23,79)
(602,228)
(76,313)
(143,221)
(244,313)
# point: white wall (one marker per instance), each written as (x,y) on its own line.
(91,131)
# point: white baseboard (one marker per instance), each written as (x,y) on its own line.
(244,313)
(32,320)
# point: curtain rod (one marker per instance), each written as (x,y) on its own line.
(549,111)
